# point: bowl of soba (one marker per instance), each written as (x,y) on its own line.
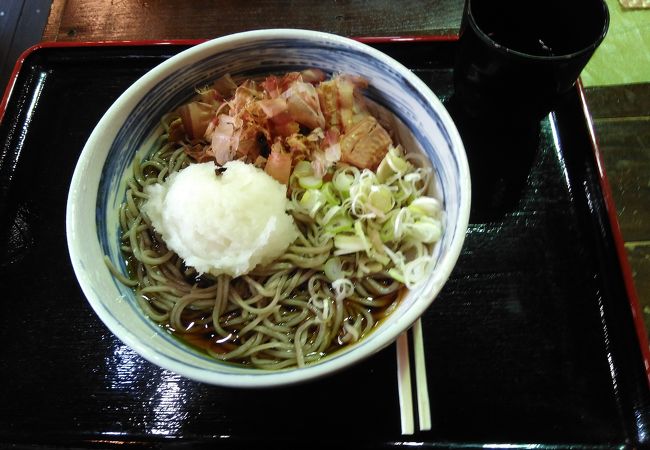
(268,207)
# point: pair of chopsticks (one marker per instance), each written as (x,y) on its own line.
(404,387)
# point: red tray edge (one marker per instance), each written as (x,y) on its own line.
(624,264)
(64,44)
(56,44)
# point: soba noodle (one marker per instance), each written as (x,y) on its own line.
(288,313)
(282,315)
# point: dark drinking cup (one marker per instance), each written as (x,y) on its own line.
(516,58)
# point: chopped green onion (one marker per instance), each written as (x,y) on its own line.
(342,182)
(382,219)
(333,269)
(426,231)
(392,165)
(427,206)
(343,288)
(331,213)
(303,169)
(312,200)
(396,275)
(358,230)
(330,195)
(381,198)
(387,231)
(346,243)
(310,182)
(340,224)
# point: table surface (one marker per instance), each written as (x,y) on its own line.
(621,113)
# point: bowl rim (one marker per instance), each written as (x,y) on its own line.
(260,378)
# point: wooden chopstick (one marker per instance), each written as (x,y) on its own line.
(404,384)
(424,406)
(404,388)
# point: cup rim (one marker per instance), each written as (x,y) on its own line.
(471,20)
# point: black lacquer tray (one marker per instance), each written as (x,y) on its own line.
(532,343)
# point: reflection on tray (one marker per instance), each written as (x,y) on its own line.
(531,341)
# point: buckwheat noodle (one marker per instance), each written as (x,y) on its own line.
(285,314)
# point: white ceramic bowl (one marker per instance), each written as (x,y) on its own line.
(128,127)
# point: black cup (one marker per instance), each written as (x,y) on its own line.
(515,58)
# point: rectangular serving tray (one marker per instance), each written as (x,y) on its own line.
(535,341)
